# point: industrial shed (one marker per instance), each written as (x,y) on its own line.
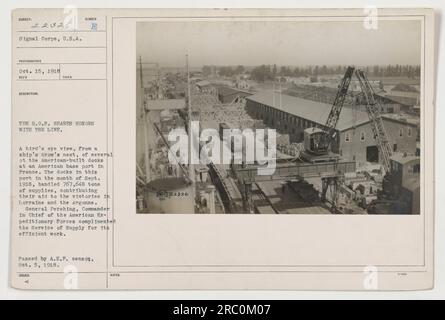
(229,95)
(355,140)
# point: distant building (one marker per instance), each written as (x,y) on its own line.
(404,98)
(229,95)
(242,84)
(205,86)
(354,140)
(326,92)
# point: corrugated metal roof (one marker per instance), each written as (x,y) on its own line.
(314,111)
(227,91)
(401,158)
(203,83)
(405,98)
(403,118)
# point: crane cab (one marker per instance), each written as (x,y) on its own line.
(313,141)
(316,150)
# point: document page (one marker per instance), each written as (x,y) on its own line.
(274,149)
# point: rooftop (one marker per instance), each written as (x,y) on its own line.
(226,91)
(203,83)
(404,117)
(401,158)
(314,111)
(400,97)
(403,87)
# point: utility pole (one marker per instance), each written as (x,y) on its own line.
(273,94)
(144,121)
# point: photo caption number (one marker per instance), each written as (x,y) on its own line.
(240,309)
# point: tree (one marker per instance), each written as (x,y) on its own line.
(239,69)
(226,71)
(376,71)
(206,70)
(316,71)
(261,73)
(324,70)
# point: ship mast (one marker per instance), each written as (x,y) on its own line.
(144,121)
(191,148)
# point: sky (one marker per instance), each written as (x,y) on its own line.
(291,43)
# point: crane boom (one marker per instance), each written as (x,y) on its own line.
(324,140)
(373,109)
(334,114)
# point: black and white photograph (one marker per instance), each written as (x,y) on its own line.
(224,152)
(278,117)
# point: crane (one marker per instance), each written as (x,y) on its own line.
(324,140)
(318,140)
(373,109)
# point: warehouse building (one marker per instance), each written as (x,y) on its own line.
(327,94)
(355,140)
